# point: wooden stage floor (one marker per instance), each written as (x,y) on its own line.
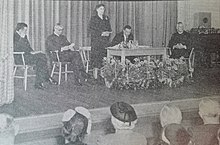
(57,99)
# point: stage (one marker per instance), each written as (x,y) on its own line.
(56,99)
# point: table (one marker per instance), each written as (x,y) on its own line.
(141,51)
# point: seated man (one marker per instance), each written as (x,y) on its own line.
(21,44)
(123,119)
(206,134)
(76,124)
(180,43)
(124,36)
(66,51)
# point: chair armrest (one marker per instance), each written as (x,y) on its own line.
(18,53)
(87,48)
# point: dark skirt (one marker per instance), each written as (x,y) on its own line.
(98,51)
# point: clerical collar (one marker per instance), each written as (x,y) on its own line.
(180,33)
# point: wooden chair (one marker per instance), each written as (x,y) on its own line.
(190,60)
(22,64)
(57,63)
(85,55)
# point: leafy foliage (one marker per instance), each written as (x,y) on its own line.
(143,74)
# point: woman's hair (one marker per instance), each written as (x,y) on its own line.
(20,26)
(99,5)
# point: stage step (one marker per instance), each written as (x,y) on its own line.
(46,128)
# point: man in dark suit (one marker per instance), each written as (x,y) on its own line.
(67,52)
(180,43)
(124,36)
(21,44)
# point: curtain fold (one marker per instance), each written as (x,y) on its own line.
(6,49)
(152,22)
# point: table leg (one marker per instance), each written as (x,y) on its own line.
(123,57)
(108,53)
(148,58)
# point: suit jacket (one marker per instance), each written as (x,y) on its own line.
(205,134)
(21,44)
(54,42)
(119,38)
(183,38)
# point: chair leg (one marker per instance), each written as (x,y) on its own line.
(87,67)
(52,72)
(60,73)
(65,72)
(25,78)
(15,69)
(95,73)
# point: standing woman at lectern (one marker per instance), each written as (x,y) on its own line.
(100,29)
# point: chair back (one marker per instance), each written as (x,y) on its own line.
(19,58)
(54,56)
(85,54)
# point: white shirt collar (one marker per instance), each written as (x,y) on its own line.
(56,34)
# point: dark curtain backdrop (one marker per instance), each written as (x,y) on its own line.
(153,22)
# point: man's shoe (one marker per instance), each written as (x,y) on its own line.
(39,86)
(52,81)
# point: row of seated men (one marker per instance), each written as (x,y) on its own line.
(77,125)
(180,47)
(54,42)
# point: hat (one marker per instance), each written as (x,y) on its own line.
(123,112)
(68,115)
(85,112)
(209,107)
(170,114)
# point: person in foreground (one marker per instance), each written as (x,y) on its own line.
(8,129)
(173,133)
(21,44)
(67,53)
(180,43)
(123,119)
(124,36)
(206,134)
(76,124)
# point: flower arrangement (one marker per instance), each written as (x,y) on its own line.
(143,74)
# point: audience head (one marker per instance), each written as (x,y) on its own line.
(58,29)
(76,123)
(123,116)
(8,129)
(170,114)
(21,29)
(127,30)
(176,134)
(100,9)
(180,27)
(209,111)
